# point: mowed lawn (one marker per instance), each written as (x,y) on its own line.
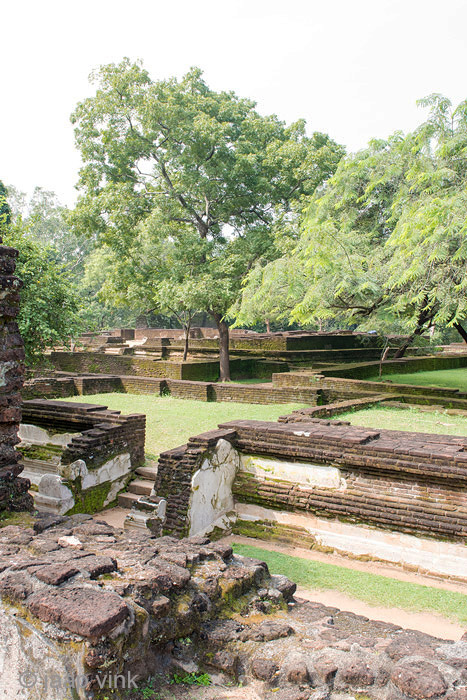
(411,419)
(449,378)
(170,422)
(372,588)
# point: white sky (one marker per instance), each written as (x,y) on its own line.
(352,68)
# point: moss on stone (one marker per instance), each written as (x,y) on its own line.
(89,500)
(41,452)
(24,519)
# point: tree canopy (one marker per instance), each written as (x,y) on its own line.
(179,170)
(384,242)
(49,310)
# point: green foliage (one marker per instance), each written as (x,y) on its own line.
(5,210)
(384,243)
(192,678)
(182,185)
(49,305)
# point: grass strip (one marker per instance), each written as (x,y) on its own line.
(371,588)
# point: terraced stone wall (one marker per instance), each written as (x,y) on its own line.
(79,456)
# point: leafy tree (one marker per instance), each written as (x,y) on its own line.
(49,306)
(384,244)
(168,160)
(5,210)
(47,221)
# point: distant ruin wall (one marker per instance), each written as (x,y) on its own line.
(13,489)
(147,366)
(61,387)
(405,365)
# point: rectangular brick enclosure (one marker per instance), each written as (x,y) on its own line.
(333,481)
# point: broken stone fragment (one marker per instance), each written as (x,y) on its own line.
(167,576)
(225,661)
(97,566)
(70,541)
(419,679)
(85,611)
(161,606)
(263,669)
(55,574)
(15,587)
(284,585)
(267,631)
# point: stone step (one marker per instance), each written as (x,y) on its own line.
(142,487)
(147,472)
(126,500)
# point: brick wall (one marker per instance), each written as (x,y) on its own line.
(408,482)
(104,433)
(101,363)
(60,387)
(13,489)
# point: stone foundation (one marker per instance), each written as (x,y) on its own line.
(79,456)
(386,494)
(89,612)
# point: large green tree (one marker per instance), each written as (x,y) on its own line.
(384,243)
(171,159)
(49,310)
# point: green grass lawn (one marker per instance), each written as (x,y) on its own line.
(371,588)
(170,422)
(261,380)
(410,419)
(449,378)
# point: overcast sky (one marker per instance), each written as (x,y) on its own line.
(352,68)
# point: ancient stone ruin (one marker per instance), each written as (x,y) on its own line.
(79,456)
(13,488)
(90,612)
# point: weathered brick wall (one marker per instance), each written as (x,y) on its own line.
(174,474)
(256,393)
(104,433)
(13,489)
(183,389)
(404,365)
(340,388)
(409,482)
(101,363)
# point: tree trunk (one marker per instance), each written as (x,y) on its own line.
(400,352)
(461,330)
(268,326)
(187,341)
(224,358)
(425,317)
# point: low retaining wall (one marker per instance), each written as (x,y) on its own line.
(385,484)
(79,456)
(60,387)
(343,388)
(152,366)
(402,366)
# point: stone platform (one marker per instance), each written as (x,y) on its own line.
(88,611)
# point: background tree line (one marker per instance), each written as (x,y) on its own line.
(191,203)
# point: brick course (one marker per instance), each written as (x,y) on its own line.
(409,482)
